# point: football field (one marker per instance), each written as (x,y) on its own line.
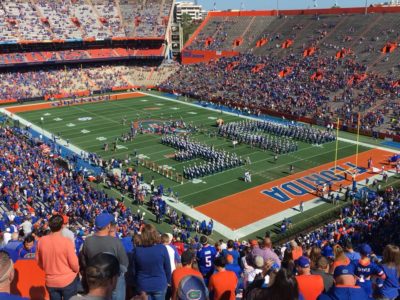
(224,196)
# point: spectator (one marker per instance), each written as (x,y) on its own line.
(174,258)
(235,268)
(179,245)
(315,254)
(102,242)
(389,288)
(258,264)
(266,251)
(188,258)
(27,226)
(13,246)
(28,250)
(6,277)
(173,253)
(56,256)
(297,251)
(350,253)
(101,276)
(283,286)
(65,231)
(230,250)
(365,269)
(152,268)
(205,257)
(345,286)
(222,285)
(340,258)
(288,261)
(322,269)
(310,286)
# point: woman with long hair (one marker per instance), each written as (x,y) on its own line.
(151,264)
(388,289)
(288,261)
(315,254)
(283,286)
(340,258)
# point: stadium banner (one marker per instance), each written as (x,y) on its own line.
(197,56)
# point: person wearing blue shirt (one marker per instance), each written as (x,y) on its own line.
(28,250)
(13,246)
(350,253)
(151,267)
(230,250)
(205,258)
(345,286)
(364,269)
(389,287)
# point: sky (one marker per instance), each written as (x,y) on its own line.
(283,4)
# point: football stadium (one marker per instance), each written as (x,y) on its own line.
(151,149)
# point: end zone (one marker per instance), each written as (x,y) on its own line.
(249,206)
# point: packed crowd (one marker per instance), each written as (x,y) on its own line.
(217,160)
(54,81)
(76,20)
(342,260)
(285,85)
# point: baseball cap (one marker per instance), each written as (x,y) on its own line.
(365,249)
(258,261)
(192,288)
(343,270)
(303,262)
(229,259)
(187,257)
(104,219)
(327,251)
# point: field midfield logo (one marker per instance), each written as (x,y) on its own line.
(85,119)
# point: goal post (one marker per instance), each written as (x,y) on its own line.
(352,171)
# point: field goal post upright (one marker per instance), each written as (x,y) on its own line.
(353,170)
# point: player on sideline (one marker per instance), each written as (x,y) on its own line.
(291,169)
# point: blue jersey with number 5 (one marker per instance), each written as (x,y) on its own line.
(205,257)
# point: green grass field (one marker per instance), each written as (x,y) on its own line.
(89,126)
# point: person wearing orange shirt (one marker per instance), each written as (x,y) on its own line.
(55,255)
(310,286)
(340,258)
(223,283)
(187,260)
